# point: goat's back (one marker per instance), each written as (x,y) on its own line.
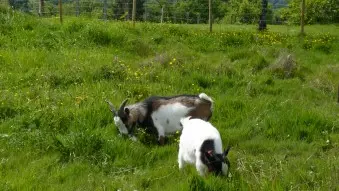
(196,131)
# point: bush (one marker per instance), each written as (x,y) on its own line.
(139,46)
(285,67)
(99,36)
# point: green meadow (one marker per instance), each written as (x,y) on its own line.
(275,95)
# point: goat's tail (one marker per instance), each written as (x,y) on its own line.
(206,98)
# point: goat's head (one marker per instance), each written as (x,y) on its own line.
(122,117)
(218,163)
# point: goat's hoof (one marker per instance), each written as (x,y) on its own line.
(161,140)
(133,138)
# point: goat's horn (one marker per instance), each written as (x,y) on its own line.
(226,151)
(111,107)
(122,106)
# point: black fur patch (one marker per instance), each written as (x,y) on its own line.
(147,123)
(211,159)
(154,98)
(209,117)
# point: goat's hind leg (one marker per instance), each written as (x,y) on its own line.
(161,139)
(161,132)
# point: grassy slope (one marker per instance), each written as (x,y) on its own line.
(56,131)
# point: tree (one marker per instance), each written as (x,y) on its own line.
(244,11)
(123,9)
(19,4)
(262,20)
(317,11)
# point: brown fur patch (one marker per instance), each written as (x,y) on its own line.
(134,116)
(202,108)
(202,111)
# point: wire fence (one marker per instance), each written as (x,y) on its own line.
(158,11)
(151,11)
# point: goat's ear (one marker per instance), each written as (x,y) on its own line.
(226,151)
(126,111)
(209,155)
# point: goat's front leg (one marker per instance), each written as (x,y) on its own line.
(181,161)
(131,133)
(200,166)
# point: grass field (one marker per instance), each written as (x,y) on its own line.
(278,112)
(285,29)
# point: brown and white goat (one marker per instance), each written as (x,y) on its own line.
(161,115)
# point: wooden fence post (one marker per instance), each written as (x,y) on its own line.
(104,10)
(302,19)
(210,14)
(77,8)
(145,14)
(41,7)
(198,18)
(162,14)
(60,10)
(187,17)
(134,11)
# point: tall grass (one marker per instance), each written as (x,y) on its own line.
(275,103)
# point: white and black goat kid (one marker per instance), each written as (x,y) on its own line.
(201,145)
(161,115)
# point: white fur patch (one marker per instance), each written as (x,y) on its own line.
(224,168)
(206,97)
(167,118)
(121,126)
